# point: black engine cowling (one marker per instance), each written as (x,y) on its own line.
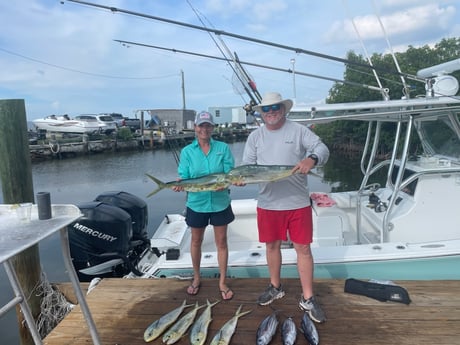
(135,206)
(110,236)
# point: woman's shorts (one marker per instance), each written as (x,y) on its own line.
(275,225)
(203,219)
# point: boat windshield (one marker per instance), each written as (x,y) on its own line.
(441,136)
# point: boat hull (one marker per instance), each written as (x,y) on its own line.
(439,268)
(390,261)
(68,126)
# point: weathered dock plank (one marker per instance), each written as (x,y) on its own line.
(123,308)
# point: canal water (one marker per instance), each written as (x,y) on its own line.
(81,179)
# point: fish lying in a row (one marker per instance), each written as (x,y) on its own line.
(268,326)
(244,174)
(224,335)
(199,330)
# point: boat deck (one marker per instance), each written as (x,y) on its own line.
(123,308)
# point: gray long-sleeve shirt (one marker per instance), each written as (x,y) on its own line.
(285,146)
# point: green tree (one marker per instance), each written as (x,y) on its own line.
(351,134)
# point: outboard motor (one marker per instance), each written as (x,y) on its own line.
(100,241)
(137,208)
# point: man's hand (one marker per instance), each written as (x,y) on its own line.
(304,166)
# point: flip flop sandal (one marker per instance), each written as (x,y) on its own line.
(193,290)
(225,293)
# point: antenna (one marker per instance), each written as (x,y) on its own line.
(437,80)
(441,69)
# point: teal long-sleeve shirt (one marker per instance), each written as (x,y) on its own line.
(194,163)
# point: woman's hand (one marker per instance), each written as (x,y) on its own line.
(178,188)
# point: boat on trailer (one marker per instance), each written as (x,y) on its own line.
(64,124)
(407,228)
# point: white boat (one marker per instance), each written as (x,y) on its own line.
(404,229)
(408,228)
(63,124)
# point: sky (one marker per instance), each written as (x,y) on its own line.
(61,57)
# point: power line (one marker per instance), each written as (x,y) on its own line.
(82,72)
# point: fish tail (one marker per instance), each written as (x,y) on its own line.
(213,303)
(238,315)
(160,184)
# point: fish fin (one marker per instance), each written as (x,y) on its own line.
(160,184)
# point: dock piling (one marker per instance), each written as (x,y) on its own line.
(17,186)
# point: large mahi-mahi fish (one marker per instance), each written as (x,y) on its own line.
(243,174)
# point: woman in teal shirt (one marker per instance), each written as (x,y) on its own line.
(202,157)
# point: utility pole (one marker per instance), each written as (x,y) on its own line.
(183,89)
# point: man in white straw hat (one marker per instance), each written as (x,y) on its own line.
(283,207)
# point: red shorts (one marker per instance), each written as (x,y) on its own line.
(276,225)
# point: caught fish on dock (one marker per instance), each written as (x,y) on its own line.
(199,331)
(288,332)
(211,182)
(177,330)
(224,335)
(159,326)
(267,329)
(308,329)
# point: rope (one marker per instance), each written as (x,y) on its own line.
(53,308)
(52,145)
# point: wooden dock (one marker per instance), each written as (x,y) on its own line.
(123,308)
(61,147)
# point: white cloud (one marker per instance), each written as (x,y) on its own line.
(62,57)
(409,21)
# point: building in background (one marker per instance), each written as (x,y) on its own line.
(228,115)
(173,119)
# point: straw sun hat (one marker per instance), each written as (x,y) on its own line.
(274,98)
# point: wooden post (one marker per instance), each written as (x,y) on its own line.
(17,185)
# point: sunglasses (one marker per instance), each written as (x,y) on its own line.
(273,107)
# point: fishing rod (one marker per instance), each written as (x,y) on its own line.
(370,87)
(384,94)
(250,82)
(236,68)
(405,86)
(245,38)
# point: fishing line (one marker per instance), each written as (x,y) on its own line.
(78,71)
(246,38)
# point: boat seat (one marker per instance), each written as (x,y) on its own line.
(329,224)
(375,222)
